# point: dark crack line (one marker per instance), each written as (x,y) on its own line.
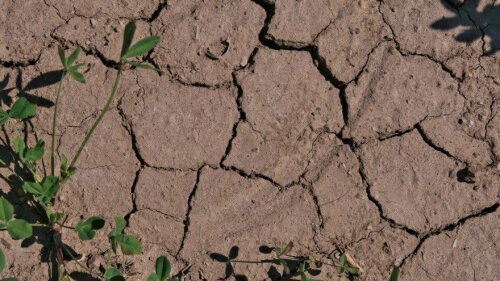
(242,118)
(128,127)
(252,175)
(266,39)
(380,208)
(187,220)
(429,142)
(407,53)
(320,63)
(156,13)
(310,190)
(449,227)
(133,194)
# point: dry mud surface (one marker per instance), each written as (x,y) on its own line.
(371,127)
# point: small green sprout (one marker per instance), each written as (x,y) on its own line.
(394,274)
(162,271)
(345,267)
(86,229)
(113,274)
(303,270)
(128,243)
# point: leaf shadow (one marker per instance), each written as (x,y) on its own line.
(478,24)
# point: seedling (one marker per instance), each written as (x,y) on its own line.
(394,274)
(40,191)
(346,267)
(163,269)
(303,270)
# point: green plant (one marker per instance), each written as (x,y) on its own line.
(394,274)
(303,268)
(346,267)
(39,191)
(162,271)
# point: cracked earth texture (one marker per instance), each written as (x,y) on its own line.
(364,125)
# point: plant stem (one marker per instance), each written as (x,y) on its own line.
(99,118)
(65,226)
(54,125)
(41,225)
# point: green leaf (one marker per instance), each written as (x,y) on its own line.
(19,147)
(142,47)
(174,279)
(45,191)
(51,185)
(22,109)
(340,270)
(112,273)
(144,66)
(2,261)
(73,56)
(352,270)
(6,210)
(128,36)
(77,66)
(4,116)
(64,162)
(86,228)
(153,277)
(62,56)
(343,260)
(19,229)
(76,75)
(33,188)
(55,217)
(394,274)
(36,153)
(163,268)
(117,231)
(119,228)
(129,244)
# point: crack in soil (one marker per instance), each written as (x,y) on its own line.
(156,13)
(449,227)
(406,54)
(187,221)
(380,208)
(429,142)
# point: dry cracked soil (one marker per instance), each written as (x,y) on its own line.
(370,127)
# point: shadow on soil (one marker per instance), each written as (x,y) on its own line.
(468,16)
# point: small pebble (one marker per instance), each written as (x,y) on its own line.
(93,23)
(243,61)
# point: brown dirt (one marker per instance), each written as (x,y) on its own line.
(361,125)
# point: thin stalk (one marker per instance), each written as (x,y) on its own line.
(99,118)
(54,125)
(65,226)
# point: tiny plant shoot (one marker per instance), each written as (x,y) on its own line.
(40,190)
